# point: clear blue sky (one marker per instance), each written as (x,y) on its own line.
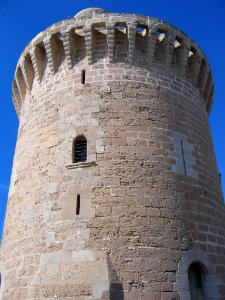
(21,20)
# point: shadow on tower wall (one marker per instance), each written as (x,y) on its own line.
(116,291)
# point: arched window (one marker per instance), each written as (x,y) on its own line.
(196,281)
(79,153)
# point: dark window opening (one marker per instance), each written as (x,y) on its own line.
(79,149)
(196,282)
(78,205)
(83,76)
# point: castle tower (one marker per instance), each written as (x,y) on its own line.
(115,192)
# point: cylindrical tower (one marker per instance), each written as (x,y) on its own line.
(115,192)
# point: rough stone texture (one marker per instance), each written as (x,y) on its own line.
(149,207)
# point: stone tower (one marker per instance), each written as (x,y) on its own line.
(115,192)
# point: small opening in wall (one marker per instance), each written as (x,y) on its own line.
(79,151)
(141,30)
(177,44)
(83,76)
(78,205)
(122,28)
(160,36)
(191,52)
(196,281)
(59,36)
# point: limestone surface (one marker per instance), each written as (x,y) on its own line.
(142,216)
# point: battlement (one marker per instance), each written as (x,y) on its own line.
(94,35)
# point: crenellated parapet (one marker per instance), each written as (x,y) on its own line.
(94,35)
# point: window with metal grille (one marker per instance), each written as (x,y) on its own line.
(79,153)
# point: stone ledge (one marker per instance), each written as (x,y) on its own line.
(78,165)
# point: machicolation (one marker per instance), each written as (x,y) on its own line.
(94,35)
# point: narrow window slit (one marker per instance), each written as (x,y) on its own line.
(83,77)
(78,205)
(184,163)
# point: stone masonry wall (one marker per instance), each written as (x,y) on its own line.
(150,196)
